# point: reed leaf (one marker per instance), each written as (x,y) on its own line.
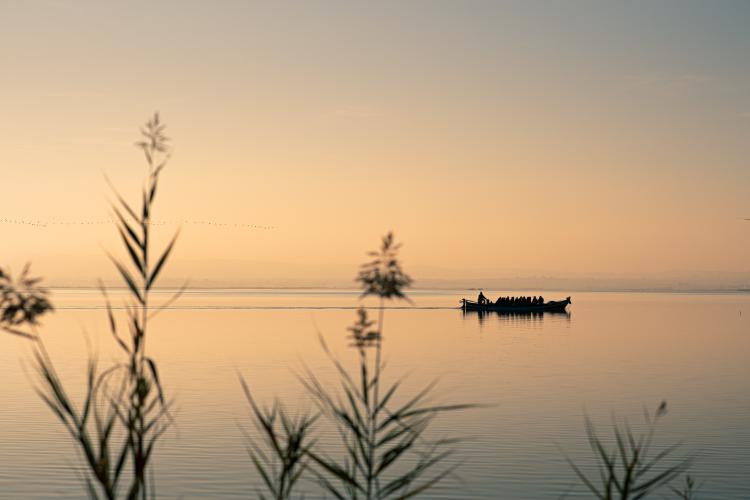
(126,276)
(127,228)
(131,251)
(155,374)
(161,261)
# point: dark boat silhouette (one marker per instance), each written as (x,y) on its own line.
(550,306)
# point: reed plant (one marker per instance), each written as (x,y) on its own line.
(631,470)
(386,452)
(287,442)
(124,410)
(22,303)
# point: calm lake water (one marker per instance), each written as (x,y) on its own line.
(612,355)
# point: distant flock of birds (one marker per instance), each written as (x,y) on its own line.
(39,223)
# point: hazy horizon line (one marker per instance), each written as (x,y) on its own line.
(739,290)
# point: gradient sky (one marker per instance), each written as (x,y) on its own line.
(495,138)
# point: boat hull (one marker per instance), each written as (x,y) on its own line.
(552,306)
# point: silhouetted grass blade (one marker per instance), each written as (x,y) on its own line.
(128,280)
(161,261)
(626,471)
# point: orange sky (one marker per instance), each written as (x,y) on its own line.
(496,139)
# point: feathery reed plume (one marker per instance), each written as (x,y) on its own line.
(287,441)
(383,276)
(375,436)
(22,303)
(628,472)
(130,391)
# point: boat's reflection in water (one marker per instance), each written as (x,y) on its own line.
(522,317)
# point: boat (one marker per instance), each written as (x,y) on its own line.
(550,306)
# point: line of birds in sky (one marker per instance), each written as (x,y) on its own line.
(54,222)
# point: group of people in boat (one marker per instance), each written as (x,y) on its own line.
(512,301)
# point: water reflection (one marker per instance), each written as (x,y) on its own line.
(537,372)
(516,317)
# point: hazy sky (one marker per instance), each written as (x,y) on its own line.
(529,137)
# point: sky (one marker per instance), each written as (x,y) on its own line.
(555,140)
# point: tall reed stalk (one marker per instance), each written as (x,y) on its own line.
(124,401)
(376,433)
